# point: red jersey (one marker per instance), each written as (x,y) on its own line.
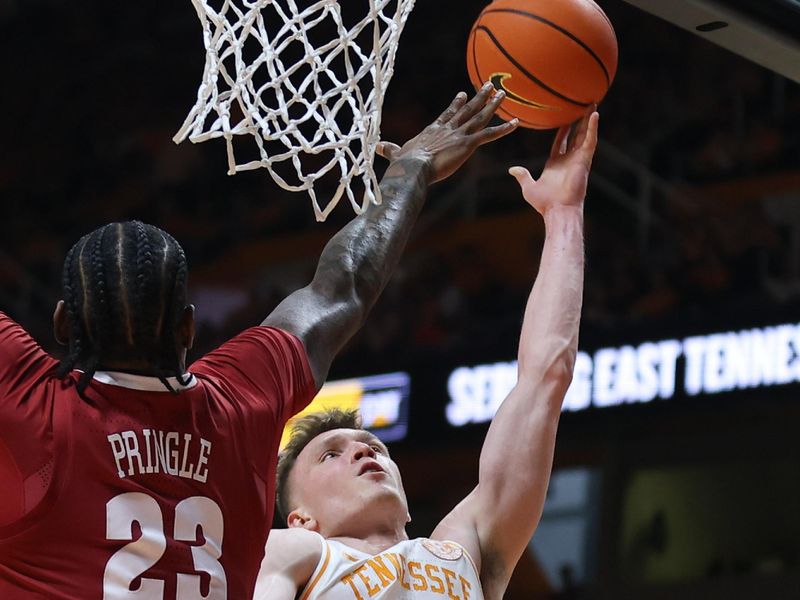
(142,493)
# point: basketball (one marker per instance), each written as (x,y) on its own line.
(553,58)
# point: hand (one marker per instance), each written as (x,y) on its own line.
(565,175)
(450,140)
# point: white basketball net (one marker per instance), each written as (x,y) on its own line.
(304,82)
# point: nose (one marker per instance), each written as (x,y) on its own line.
(362,450)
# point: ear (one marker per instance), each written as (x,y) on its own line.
(299,518)
(61,324)
(186,327)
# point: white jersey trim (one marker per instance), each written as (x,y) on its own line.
(141,383)
(322,566)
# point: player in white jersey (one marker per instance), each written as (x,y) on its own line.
(342,494)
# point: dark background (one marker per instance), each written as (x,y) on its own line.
(693,227)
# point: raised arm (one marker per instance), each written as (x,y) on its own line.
(496,521)
(357,262)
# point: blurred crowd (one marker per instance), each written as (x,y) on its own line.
(692,214)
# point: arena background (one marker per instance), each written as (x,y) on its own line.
(678,467)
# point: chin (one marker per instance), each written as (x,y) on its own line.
(390,501)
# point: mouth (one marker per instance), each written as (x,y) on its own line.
(370,467)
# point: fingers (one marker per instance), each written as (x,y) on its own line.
(521,174)
(485,115)
(387,150)
(560,142)
(523,177)
(581,128)
(454,107)
(579,136)
(471,108)
(489,134)
(590,141)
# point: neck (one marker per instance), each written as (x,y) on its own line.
(372,528)
(375,542)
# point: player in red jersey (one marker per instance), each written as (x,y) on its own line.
(122,474)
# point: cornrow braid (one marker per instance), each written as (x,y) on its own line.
(149,313)
(179,296)
(100,311)
(110,295)
(169,316)
(144,268)
(71,304)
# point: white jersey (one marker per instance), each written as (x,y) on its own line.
(420,569)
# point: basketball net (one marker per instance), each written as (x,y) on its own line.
(303,80)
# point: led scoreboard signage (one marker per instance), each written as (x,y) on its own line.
(712,364)
(382,401)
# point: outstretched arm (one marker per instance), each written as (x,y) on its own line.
(357,262)
(496,521)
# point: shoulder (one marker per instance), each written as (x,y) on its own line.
(262,346)
(460,526)
(262,361)
(20,356)
(11,333)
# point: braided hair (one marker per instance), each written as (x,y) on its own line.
(124,288)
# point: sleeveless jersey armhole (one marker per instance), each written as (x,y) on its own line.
(322,566)
(469,558)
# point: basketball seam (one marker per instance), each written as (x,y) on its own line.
(558,27)
(500,108)
(533,78)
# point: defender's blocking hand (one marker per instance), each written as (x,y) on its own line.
(450,140)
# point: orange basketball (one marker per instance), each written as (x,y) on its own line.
(553,58)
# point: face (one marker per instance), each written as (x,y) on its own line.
(343,479)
